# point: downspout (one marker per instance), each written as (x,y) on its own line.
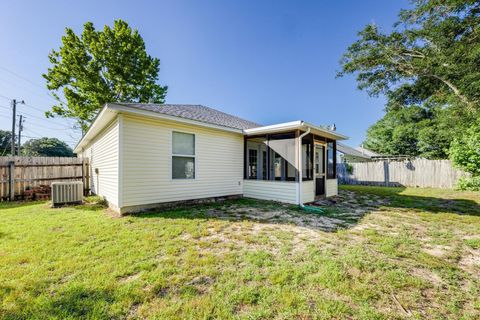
(300,173)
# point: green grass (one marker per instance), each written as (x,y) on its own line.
(419,253)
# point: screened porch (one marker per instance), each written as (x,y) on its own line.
(273,162)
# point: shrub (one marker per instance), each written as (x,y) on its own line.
(469,183)
(465,150)
(349,168)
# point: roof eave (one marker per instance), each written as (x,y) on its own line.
(294,125)
(101,120)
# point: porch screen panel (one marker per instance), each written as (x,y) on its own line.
(271,157)
(331,161)
(252,164)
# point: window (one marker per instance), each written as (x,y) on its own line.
(252,164)
(183,155)
(319,161)
(331,161)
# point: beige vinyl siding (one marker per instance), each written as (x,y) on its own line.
(147,162)
(308,191)
(270,190)
(331,188)
(103,155)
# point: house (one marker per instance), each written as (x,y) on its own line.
(349,154)
(149,155)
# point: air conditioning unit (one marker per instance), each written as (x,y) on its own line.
(66,193)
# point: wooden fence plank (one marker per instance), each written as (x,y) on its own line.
(32,172)
(409,173)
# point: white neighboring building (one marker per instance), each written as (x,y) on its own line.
(149,155)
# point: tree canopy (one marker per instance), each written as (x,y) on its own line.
(46,147)
(97,67)
(432,54)
(5,143)
(428,68)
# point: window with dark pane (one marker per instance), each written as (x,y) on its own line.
(183,155)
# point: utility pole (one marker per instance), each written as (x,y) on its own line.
(14,109)
(20,129)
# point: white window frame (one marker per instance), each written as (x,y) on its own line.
(194,156)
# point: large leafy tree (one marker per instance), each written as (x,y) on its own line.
(433,53)
(101,66)
(5,142)
(430,61)
(423,131)
(46,147)
(397,132)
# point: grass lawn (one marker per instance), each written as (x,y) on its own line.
(377,253)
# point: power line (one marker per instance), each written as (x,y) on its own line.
(32,83)
(28,105)
(2,96)
(46,119)
(64,127)
(23,88)
(45,127)
(34,132)
(33,107)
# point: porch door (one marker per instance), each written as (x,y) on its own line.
(319,170)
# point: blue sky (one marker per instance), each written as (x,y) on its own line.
(267,61)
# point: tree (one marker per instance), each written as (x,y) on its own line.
(397,132)
(430,61)
(5,142)
(101,66)
(415,131)
(46,147)
(432,54)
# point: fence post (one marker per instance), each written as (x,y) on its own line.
(386,172)
(83,176)
(11,180)
(87,177)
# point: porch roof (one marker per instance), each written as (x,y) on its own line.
(295,125)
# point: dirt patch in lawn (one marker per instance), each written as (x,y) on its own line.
(280,216)
(342,211)
(470,262)
(129,278)
(437,250)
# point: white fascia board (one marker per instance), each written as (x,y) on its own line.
(329,133)
(101,120)
(293,125)
(156,115)
(274,128)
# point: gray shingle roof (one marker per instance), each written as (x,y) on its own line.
(195,112)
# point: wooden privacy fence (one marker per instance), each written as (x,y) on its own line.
(409,173)
(18,174)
